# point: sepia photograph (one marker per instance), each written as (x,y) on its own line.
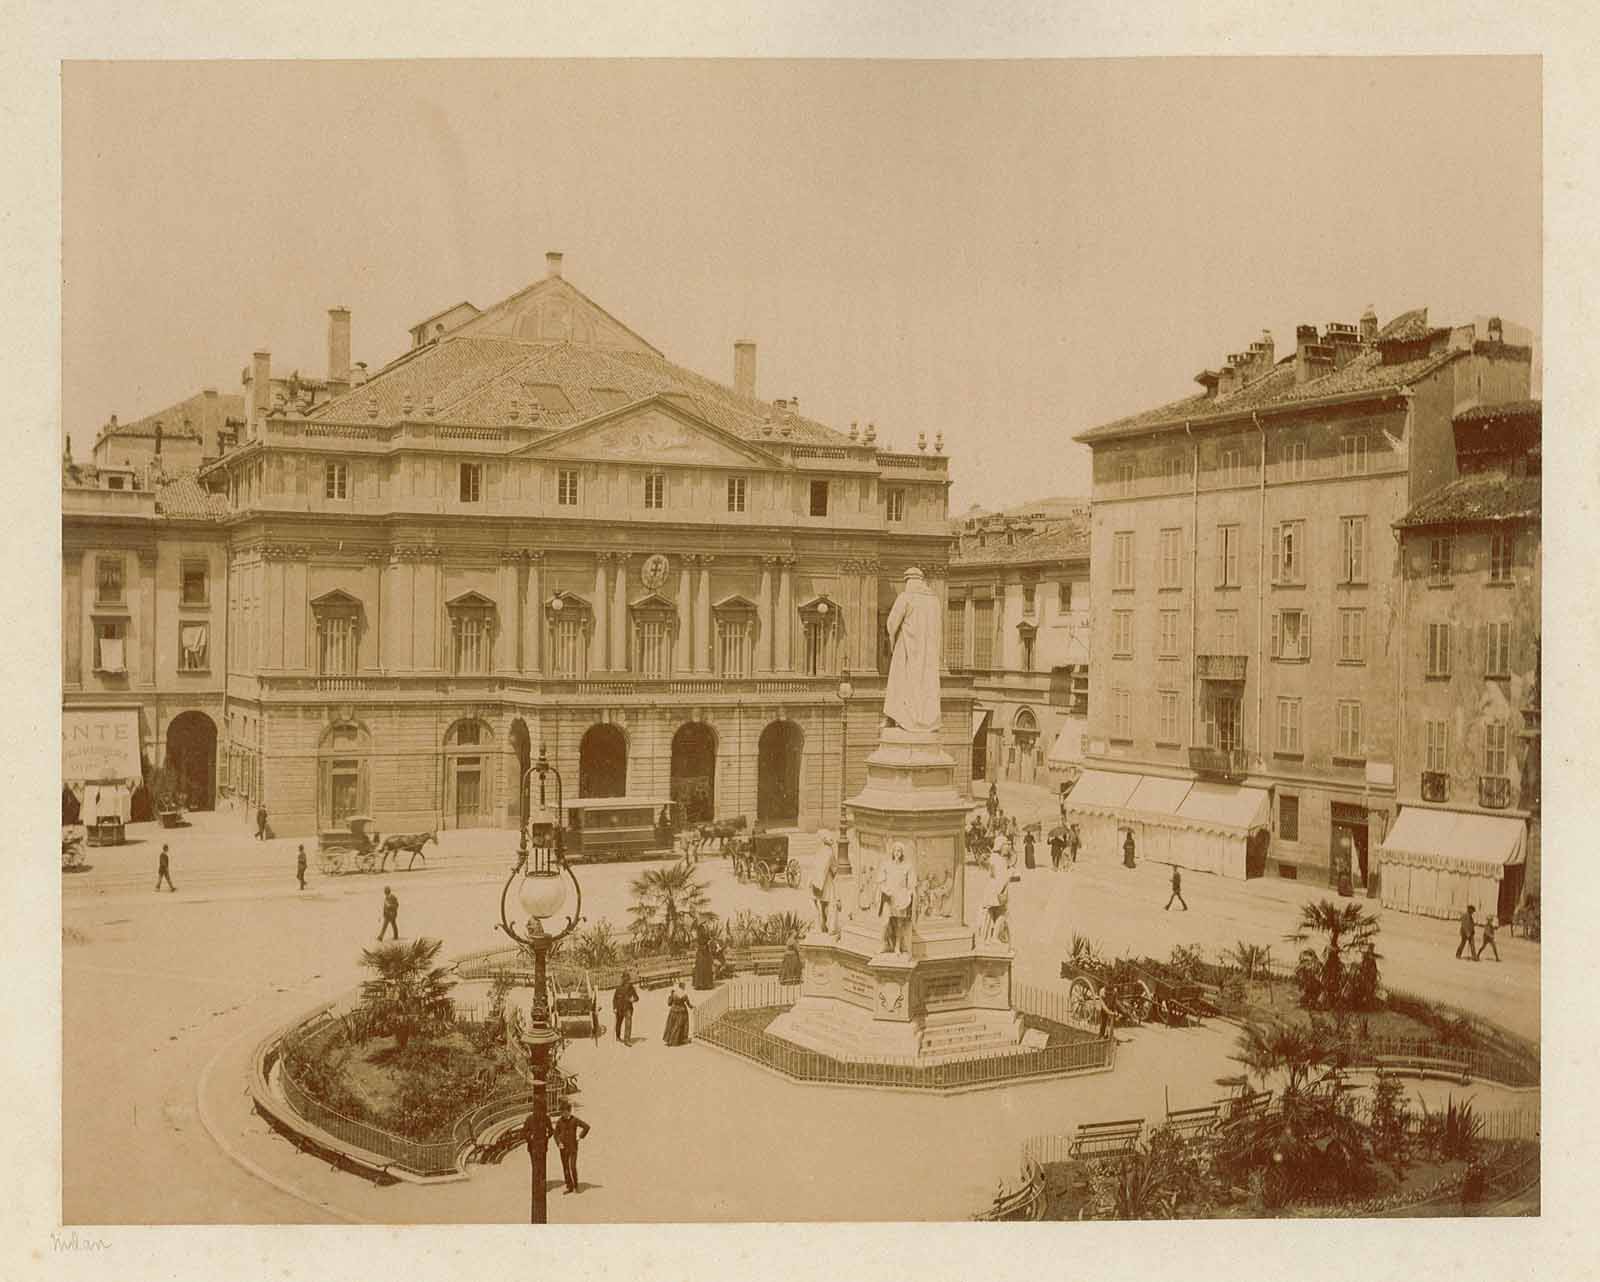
(792,641)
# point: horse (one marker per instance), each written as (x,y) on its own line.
(412,841)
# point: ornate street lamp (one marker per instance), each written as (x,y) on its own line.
(542,893)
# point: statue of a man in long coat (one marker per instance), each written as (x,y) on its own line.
(912,699)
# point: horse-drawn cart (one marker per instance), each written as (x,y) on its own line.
(765,858)
(353,850)
(1131,997)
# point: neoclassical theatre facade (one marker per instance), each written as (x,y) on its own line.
(532,529)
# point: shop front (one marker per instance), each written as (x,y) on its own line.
(1208,827)
(101,765)
(1436,862)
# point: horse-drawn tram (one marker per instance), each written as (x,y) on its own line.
(604,829)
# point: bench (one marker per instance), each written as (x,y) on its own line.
(1023,1203)
(1237,1107)
(1191,1123)
(661,973)
(1106,1139)
(767,959)
(1446,1070)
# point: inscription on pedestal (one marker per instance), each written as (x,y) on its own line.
(858,985)
(944,990)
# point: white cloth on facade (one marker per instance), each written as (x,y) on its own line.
(911,699)
(111,654)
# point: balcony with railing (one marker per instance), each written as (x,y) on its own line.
(1220,667)
(1494,792)
(1229,764)
(1435,785)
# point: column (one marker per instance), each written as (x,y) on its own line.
(683,649)
(147,616)
(505,608)
(868,631)
(601,635)
(619,611)
(783,622)
(702,618)
(967,631)
(763,656)
(72,619)
(533,616)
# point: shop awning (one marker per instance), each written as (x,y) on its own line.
(1452,840)
(1106,788)
(1067,750)
(100,744)
(1158,796)
(980,720)
(1226,806)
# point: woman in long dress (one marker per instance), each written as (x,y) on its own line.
(678,1008)
(791,971)
(703,973)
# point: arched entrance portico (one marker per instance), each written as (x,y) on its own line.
(778,773)
(192,756)
(694,771)
(603,762)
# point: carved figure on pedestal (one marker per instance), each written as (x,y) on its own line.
(822,881)
(911,700)
(934,895)
(995,895)
(894,893)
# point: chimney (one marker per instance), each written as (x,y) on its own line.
(338,350)
(744,367)
(1496,330)
(794,405)
(1369,325)
(1305,342)
(1345,341)
(158,438)
(552,264)
(358,375)
(259,400)
(1227,378)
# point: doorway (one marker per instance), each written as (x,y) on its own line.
(469,792)
(778,774)
(192,756)
(694,771)
(1349,843)
(603,762)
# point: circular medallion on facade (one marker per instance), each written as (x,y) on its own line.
(654,572)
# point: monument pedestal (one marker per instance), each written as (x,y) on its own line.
(945,995)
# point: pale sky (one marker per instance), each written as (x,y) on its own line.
(1005,252)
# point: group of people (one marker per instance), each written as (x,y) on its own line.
(1469,942)
(625,996)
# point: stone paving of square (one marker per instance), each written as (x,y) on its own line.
(165,995)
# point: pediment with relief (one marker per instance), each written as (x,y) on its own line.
(652,434)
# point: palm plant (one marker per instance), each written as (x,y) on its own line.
(666,904)
(596,946)
(1347,930)
(407,993)
(783,926)
(1251,958)
(1294,1050)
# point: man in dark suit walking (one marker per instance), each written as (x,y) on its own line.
(300,867)
(164,873)
(568,1129)
(622,1002)
(391,914)
(1177,890)
(1469,935)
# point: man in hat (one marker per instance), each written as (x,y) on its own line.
(568,1129)
(1469,935)
(911,699)
(300,866)
(391,913)
(164,873)
(623,999)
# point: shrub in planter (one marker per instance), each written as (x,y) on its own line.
(1391,1121)
(1453,1133)
(1526,918)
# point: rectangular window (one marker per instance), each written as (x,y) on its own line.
(570,648)
(1501,548)
(1353,454)
(1291,635)
(819,640)
(1030,596)
(983,635)
(1497,649)
(1168,731)
(1064,597)
(1227,632)
(193,647)
(1122,714)
(1122,559)
(1494,748)
(1169,632)
(110,638)
(1027,653)
(736,492)
(1349,741)
(1289,552)
(1171,558)
(1289,726)
(1122,634)
(655,491)
(567,487)
(196,586)
(1288,817)
(1438,745)
(108,583)
(894,502)
(472,643)
(471,482)
(1352,636)
(733,647)
(1221,719)
(654,654)
(819,498)
(1228,467)
(335,480)
(1438,649)
(1125,474)
(1294,460)
(1227,556)
(336,645)
(1441,558)
(1353,549)
(955,635)
(1174,470)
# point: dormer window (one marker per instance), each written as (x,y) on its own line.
(472,619)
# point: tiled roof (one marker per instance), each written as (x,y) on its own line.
(1277,389)
(185,498)
(192,408)
(1062,541)
(1507,409)
(1407,327)
(1481,496)
(475,382)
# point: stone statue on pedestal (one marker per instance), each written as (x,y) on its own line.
(895,894)
(911,700)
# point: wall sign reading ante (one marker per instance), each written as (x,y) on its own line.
(100,743)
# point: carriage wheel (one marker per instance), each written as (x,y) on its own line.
(793,872)
(1138,1004)
(764,875)
(1083,999)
